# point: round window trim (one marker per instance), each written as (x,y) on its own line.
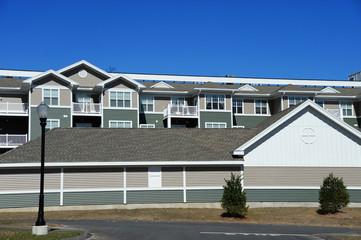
(308,135)
(83,73)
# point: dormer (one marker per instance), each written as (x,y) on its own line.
(329,90)
(161,85)
(248,88)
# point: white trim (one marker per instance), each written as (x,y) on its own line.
(120,77)
(83,62)
(249,114)
(29,112)
(309,103)
(254,107)
(292,96)
(341,109)
(184,185)
(329,90)
(116,99)
(61,186)
(248,88)
(161,85)
(242,100)
(148,125)
(125,185)
(214,94)
(117,108)
(48,73)
(50,119)
(51,88)
(205,124)
(153,103)
(140,163)
(120,121)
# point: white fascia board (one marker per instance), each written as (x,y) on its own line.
(309,103)
(265,81)
(10,90)
(240,94)
(154,163)
(114,78)
(165,92)
(86,64)
(216,89)
(50,72)
(19,73)
(337,97)
(161,84)
(299,92)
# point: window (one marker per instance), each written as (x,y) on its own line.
(216,125)
(119,99)
(237,105)
(178,101)
(83,98)
(147,104)
(346,108)
(147,126)
(51,96)
(295,100)
(120,124)
(215,102)
(261,106)
(51,123)
(319,103)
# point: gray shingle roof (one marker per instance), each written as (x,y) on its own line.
(131,145)
(11,82)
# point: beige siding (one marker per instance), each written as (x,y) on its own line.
(137,177)
(172,176)
(285,102)
(134,100)
(248,106)
(209,176)
(51,81)
(36,96)
(12,98)
(65,99)
(120,83)
(23,180)
(228,102)
(332,105)
(202,102)
(298,176)
(106,99)
(93,178)
(90,80)
(161,103)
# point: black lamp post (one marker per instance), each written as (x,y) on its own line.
(43,110)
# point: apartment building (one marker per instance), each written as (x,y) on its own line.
(83,95)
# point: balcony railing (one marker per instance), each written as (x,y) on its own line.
(180,111)
(13,108)
(336,112)
(12,140)
(87,108)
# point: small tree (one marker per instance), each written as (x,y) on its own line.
(333,194)
(234,199)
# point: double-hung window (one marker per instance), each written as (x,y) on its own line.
(216,125)
(178,101)
(147,104)
(51,96)
(120,124)
(119,99)
(295,100)
(261,106)
(237,105)
(52,123)
(215,102)
(346,108)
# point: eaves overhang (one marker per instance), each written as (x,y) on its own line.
(159,92)
(87,64)
(101,86)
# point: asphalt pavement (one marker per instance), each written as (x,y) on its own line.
(117,230)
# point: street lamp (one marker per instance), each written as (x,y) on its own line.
(40,227)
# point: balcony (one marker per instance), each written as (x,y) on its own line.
(7,108)
(12,140)
(180,111)
(87,108)
(337,112)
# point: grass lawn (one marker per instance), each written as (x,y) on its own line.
(349,218)
(20,234)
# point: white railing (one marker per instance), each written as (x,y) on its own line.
(336,112)
(13,108)
(11,140)
(87,108)
(180,110)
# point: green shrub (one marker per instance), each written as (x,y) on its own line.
(333,194)
(234,199)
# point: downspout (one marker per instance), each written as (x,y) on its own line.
(198,108)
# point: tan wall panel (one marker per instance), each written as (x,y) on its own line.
(209,176)
(13,99)
(285,102)
(298,176)
(106,99)
(120,83)
(228,102)
(137,177)
(51,81)
(332,105)
(134,100)
(248,106)
(90,80)
(202,102)
(23,180)
(93,178)
(36,96)
(172,177)
(65,99)
(161,103)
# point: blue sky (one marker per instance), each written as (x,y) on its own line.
(311,39)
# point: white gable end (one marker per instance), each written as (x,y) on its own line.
(161,85)
(306,139)
(248,88)
(329,90)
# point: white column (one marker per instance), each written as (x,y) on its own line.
(61,186)
(184,185)
(124,185)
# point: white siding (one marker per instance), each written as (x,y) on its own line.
(332,147)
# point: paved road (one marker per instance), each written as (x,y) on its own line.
(116,230)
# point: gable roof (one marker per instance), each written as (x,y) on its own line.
(276,120)
(123,77)
(26,83)
(85,63)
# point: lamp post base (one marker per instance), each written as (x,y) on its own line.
(40,230)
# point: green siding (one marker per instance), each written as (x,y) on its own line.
(215,117)
(54,113)
(207,195)
(93,198)
(120,115)
(155,196)
(248,121)
(28,200)
(152,119)
(355,195)
(352,122)
(282,195)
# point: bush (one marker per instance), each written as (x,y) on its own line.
(333,194)
(234,199)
